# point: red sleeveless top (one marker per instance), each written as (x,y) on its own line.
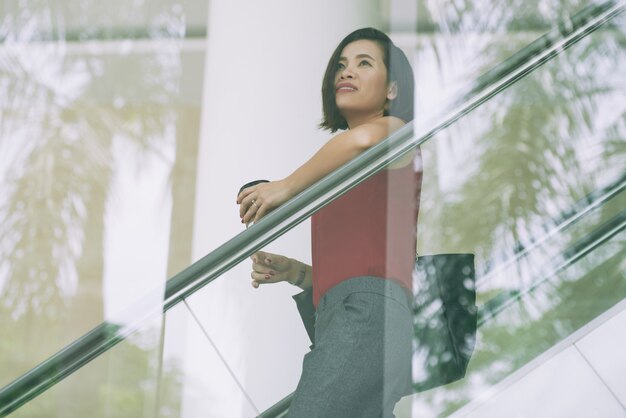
(369,231)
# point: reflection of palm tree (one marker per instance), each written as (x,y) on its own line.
(525,163)
(615,150)
(529,161)
(52,218)
(54,263)
(467,16)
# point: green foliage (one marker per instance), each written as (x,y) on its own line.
(503,176)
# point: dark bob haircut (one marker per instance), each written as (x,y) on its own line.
(398,70)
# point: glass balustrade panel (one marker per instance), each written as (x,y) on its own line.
(98,140)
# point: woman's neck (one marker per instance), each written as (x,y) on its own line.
(358,119)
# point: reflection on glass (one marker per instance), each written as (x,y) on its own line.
(129,380)
(517,181)
(95,145)
(84,131)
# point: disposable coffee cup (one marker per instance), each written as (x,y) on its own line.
(250,184)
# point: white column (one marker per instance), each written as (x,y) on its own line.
(261,106)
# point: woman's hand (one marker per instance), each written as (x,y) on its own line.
(258,200)
(271,268)
(274,268)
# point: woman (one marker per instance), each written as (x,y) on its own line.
(363,243)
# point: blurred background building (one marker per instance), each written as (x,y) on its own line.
(127,128)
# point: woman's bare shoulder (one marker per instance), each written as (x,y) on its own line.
(390,124)
(376,130)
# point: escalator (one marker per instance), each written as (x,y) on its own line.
(565,256)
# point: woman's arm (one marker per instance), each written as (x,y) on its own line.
(335,153)
(274,268)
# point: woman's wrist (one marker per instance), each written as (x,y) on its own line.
(289,186)
(298,273)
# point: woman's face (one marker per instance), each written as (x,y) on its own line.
(361,88)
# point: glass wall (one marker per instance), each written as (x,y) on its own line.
(100,181)
(99,127)
(531,182)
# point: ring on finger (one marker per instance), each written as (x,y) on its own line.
(254,203)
